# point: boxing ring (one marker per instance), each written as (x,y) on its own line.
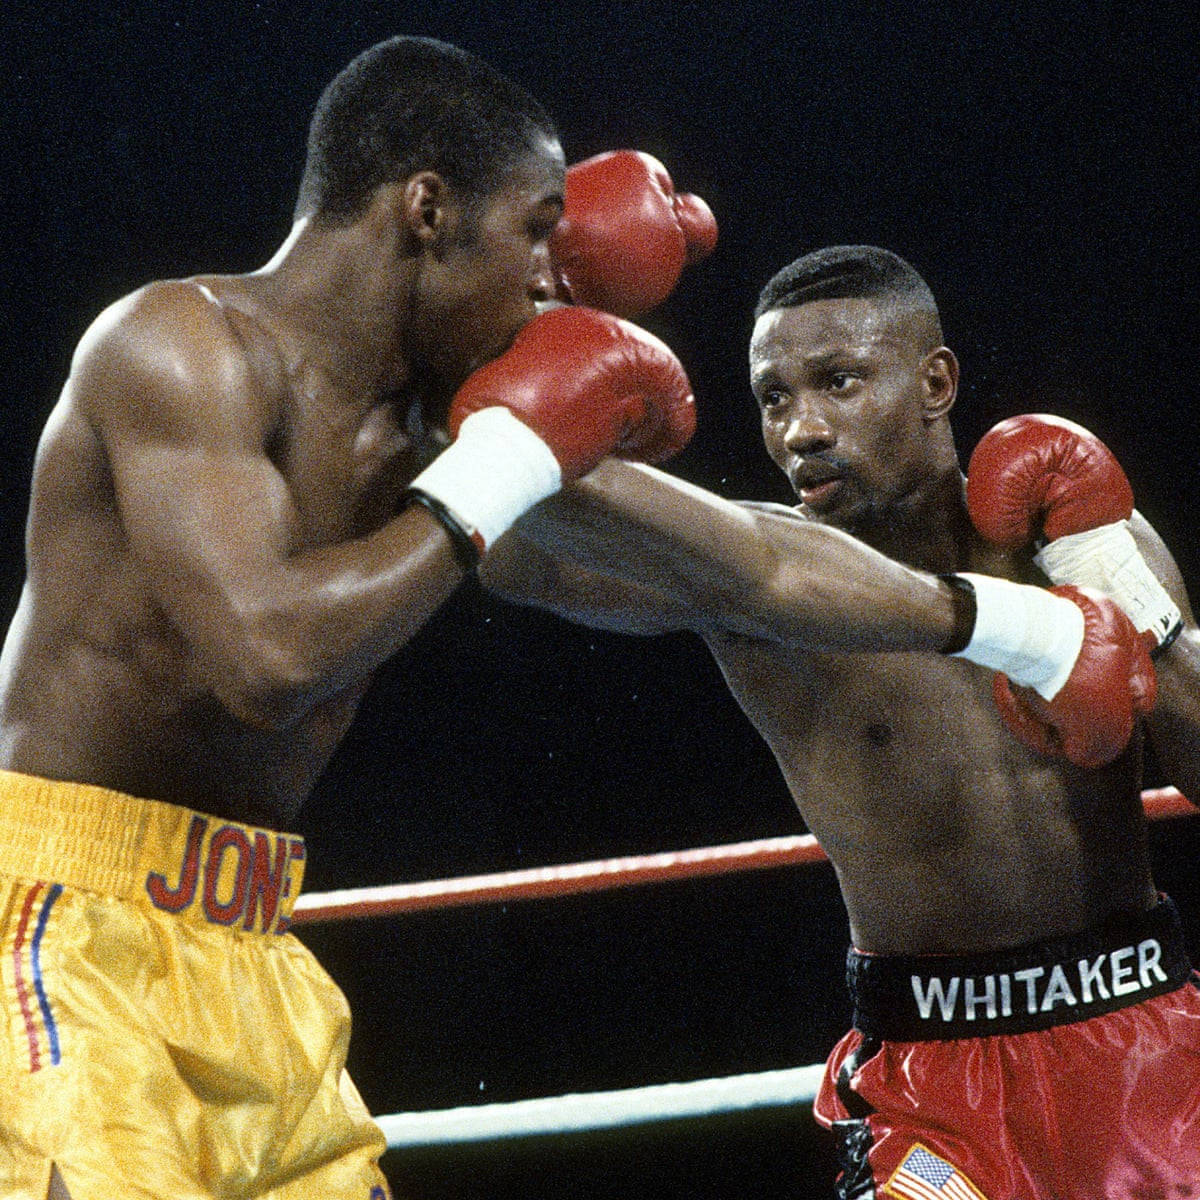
(590,1111)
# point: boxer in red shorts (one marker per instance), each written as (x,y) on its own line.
(1059,1069)
(1027,1025)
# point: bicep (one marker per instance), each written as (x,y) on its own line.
(206,523)
(204,511)
(1174,726)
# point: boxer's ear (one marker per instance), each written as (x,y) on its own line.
(939,383)
(423,203)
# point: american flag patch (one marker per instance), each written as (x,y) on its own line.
(924,1176)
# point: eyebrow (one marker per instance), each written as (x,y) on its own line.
(823,358)
(815,360)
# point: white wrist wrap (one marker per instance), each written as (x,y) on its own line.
(1031,635)
(1107,559)
(491,473)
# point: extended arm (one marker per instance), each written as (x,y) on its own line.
(697,562)
(282,608)
(631,547)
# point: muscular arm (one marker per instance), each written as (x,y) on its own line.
(276,627)
(631,548)
(1174,726)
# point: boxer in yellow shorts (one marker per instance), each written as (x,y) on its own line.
(245,501)
(163,1034)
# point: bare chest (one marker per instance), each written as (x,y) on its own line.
(909,743)
(904,771)
(878,706)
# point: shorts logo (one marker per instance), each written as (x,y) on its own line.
(235,872)
(41,1030)
(1034,990)
(924,1175)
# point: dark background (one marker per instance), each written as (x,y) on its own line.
(1036,162)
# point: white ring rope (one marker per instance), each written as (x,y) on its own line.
(588,1111)
(584,1112)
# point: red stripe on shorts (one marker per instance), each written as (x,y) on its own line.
(23,994)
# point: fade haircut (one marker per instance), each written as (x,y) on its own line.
(852,273)
(410,104)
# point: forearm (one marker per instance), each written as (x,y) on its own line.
(742,570)
(295,634)
(1076,674)
(1174,725)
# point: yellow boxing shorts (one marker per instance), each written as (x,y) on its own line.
(163,1036)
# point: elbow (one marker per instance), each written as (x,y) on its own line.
(265,711)
(520,575)
(267,682)
(766,606)
(264,700)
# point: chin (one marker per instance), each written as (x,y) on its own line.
(851,518)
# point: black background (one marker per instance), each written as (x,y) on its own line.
(1036,162)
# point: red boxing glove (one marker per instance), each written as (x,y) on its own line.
(626,234)
(588,384)
(1090,719)
(1038,475)
(575,385)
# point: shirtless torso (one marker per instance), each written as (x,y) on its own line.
(947,833)
(101,682)
(902,769)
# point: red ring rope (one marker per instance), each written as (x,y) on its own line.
(575,878)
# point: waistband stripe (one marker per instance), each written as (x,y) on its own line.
(39,986)
(27,971)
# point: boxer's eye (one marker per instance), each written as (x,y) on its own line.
(842,381)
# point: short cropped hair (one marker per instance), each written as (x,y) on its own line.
(410,104)
(849,273)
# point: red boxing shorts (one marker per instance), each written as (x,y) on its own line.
(1064,1070)
(162,1035)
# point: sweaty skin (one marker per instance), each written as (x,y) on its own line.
(215,563)
(946,833)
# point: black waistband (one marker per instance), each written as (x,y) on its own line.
(1127,960)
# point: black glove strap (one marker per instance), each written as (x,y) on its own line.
(464,546)
(1168,641)
(963,594)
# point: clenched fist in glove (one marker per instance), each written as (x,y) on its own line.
(1073,673)
(1041,477)
(626,234)
(575,385)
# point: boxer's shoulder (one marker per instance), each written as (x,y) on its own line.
(771,508)
(175,341)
